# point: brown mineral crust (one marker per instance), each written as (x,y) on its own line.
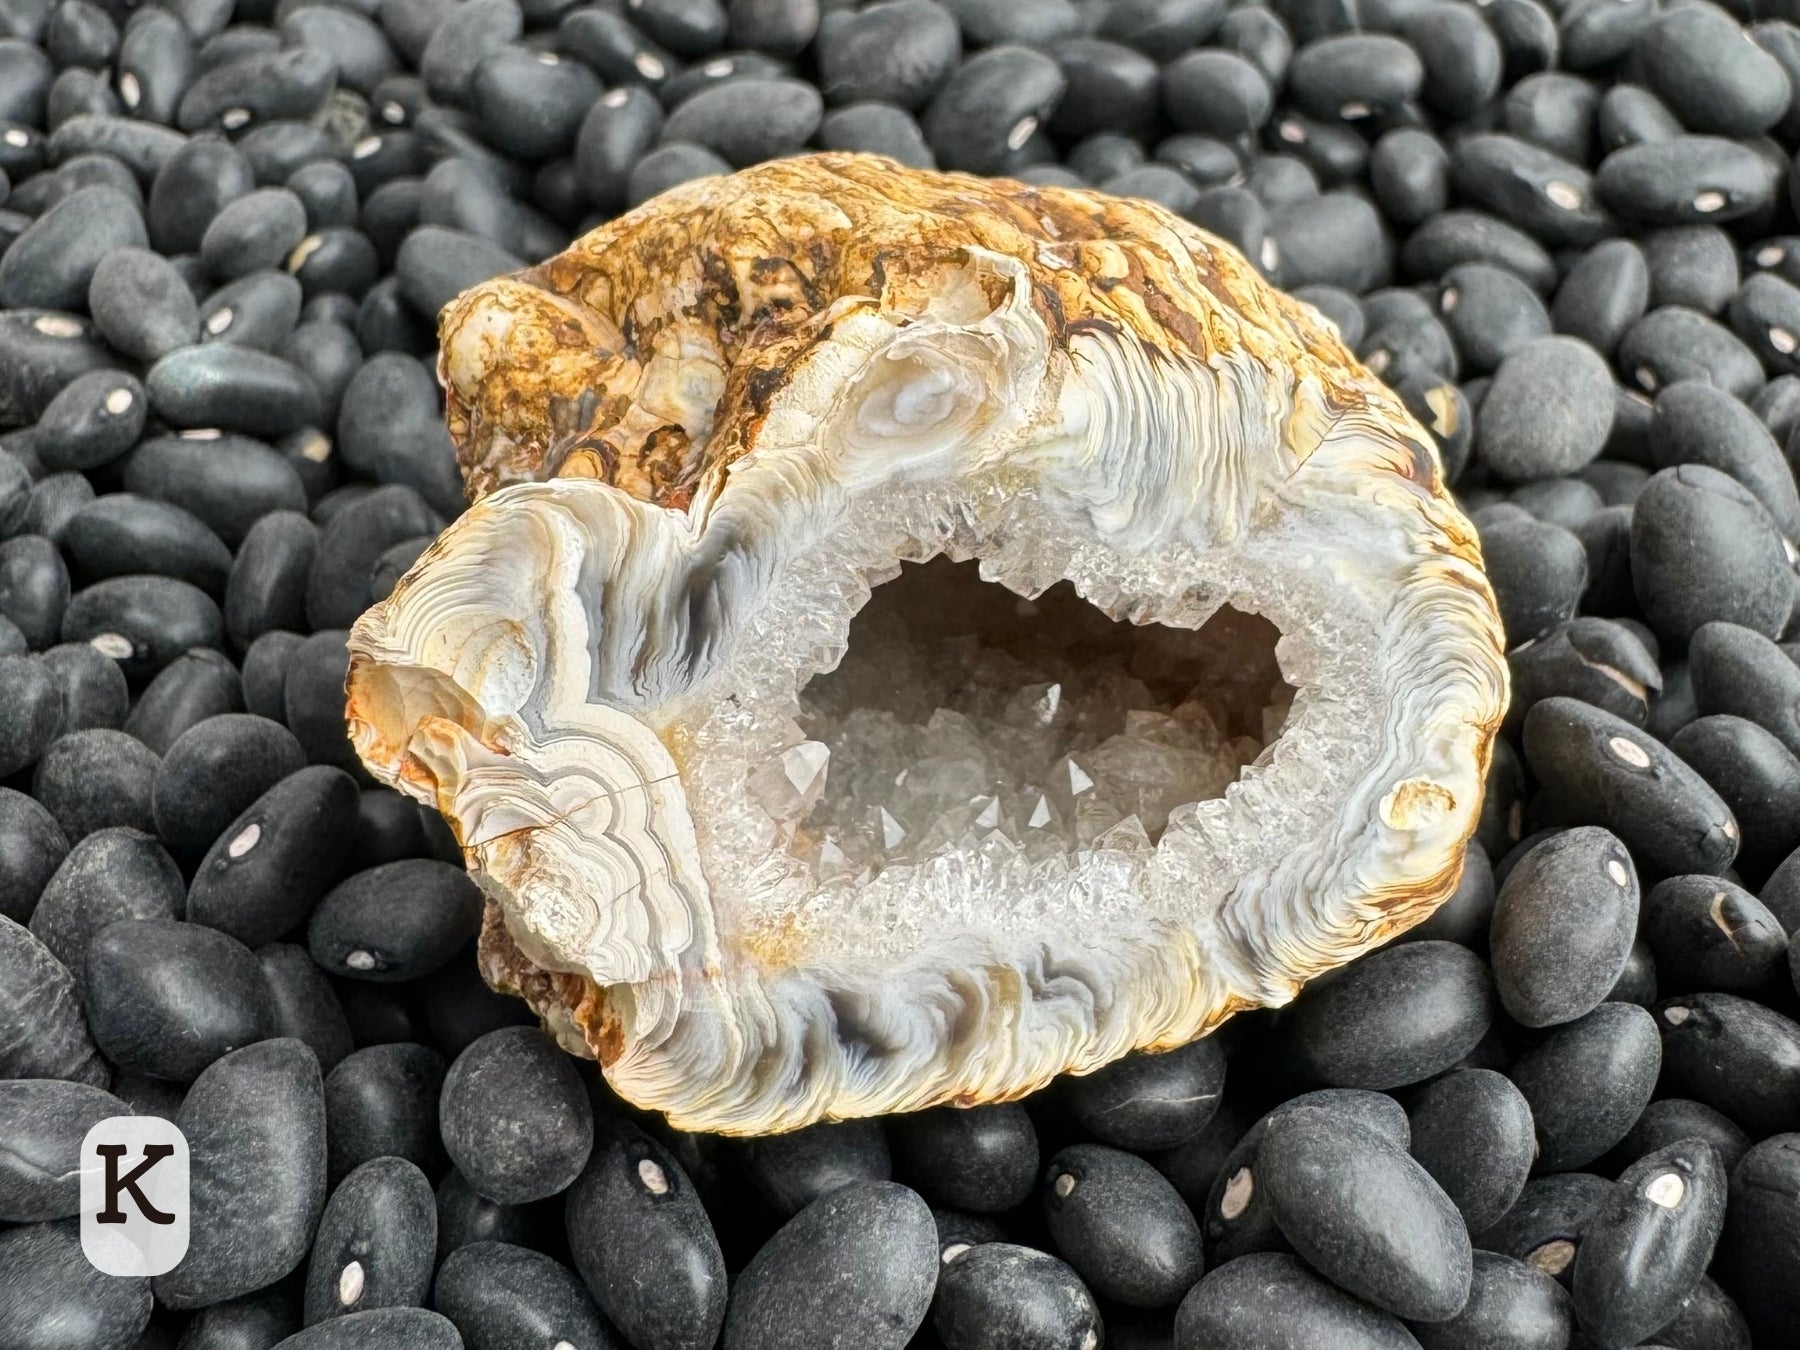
(551,995)
(734,278)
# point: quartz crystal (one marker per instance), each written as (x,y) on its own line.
(916,635)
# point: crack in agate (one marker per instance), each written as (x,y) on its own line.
(596,675)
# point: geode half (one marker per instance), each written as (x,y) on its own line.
(917,635)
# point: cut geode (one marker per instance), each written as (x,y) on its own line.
(1171,672)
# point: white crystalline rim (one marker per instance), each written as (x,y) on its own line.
(1160,494)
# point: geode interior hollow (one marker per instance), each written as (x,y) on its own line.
(916,635)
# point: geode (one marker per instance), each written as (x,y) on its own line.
(915,636)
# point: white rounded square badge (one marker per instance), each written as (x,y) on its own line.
(134,1195)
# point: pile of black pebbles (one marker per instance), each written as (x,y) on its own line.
(1564,1112)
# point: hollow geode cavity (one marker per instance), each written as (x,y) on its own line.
(1176,686)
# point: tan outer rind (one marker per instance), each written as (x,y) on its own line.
(695,357)
(753,270)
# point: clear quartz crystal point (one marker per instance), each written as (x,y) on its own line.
(791,784)
(1127,836)
(833,861)
(1075,777)
(892,835)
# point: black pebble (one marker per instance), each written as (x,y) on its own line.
(1692,265)
(1235,1211)
(1603,294)
(149,619)
(1587,1081)
(44,1122)
(1473,1132)
(997,1294)
(1700,63)
(434,264)
(52,262)
(302,1004)
(1759,1252)
(94,419)
(269,868)
(1150,1100)
(376,1242)
(1538,571)
(1709,933)
(215,771)
(110,875)
(646,1250)
(1737,671)
(234,387)
(43,1033)
(794,1169)
(382,1101)
(1464,917)
(30,711)
(52,1295)
(391,1328)
(167,999)
(337,587)
(1709,1317)
(985,114)
(229,481)
(1597,769)
(1599,662)
(1703,548)
(1687,180)
(95,778)
(1548,411)
(1696,423)
(258,230)
(856,1267)
(459,1008)
(1122,1226)
(1756,775)
(255,1126)
(313,698)
(1510,1304)
(395,922)
(498,1294)
(1409,172)
(123,535)
(1544,1229)
(1397,1016)
(196,685)
(1490,313)
(983,1159)
(1563,926)
(1677,343)
(1650,1241)
(32,848)
(465,1216)
(1735,1055)
(1669,1120)
(515,1119)
(1273,1300)
(390,427)
(266,587)
(1365,1214)
(265,673)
